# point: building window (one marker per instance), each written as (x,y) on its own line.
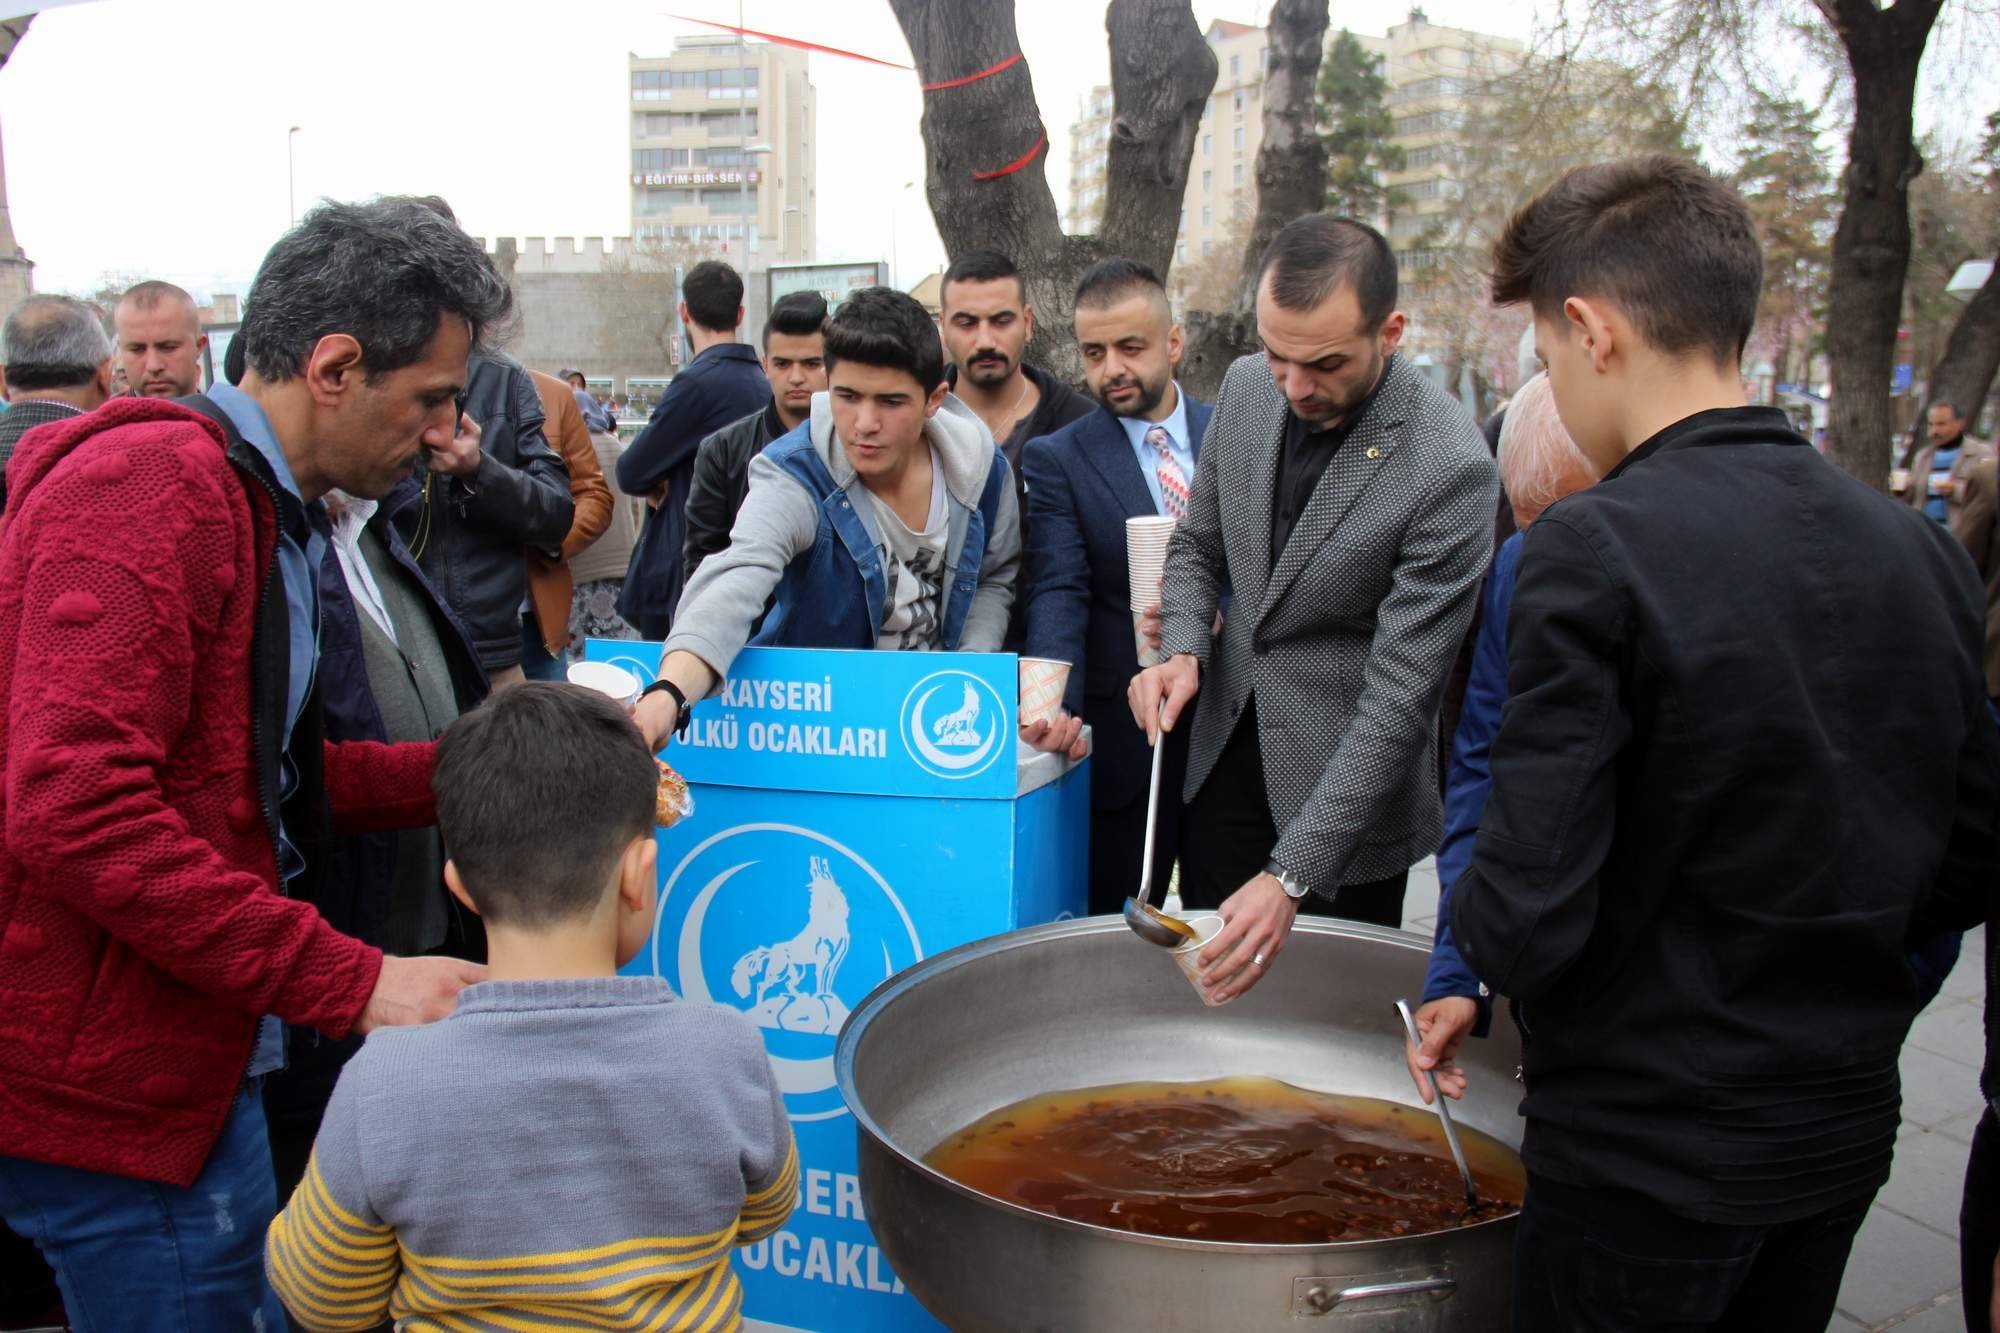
(1430,122)
(1207,249)
(1235,66)
(1208,145)
(1180,252)
(1239,138)
(1207,181)
(1239,176)
(1239,101)
(654,202)
(1423,157)
(1207,220)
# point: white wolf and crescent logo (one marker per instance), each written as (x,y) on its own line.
(963,742)
(812,956)
(734,902)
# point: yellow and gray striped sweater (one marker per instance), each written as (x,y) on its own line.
(579,1154)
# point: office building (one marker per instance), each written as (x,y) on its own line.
(1089,150)
(723,138)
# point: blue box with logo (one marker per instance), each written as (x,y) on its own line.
(853,813)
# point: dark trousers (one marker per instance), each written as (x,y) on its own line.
(1230,836)
(1118,837)
(1609,1261)
(1979,1223)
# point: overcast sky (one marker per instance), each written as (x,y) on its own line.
(149,139)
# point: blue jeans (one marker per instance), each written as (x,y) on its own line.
(536,664)
(136,1254)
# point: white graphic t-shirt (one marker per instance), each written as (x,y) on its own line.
(914,565)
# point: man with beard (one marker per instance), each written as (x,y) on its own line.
(1935,481)
(987,323)
(1347,502)
(1131,459)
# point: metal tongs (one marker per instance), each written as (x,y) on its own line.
(1444,1112)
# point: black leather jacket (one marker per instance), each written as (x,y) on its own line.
(721,480)
(471,537)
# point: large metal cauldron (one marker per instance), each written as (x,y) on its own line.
(1081,1003)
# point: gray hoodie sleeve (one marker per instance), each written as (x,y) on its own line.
(778,521)
(986,620)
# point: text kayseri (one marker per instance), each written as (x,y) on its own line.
(786,696)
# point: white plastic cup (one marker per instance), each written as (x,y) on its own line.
(1043,681)
(621,685)
(1188,956)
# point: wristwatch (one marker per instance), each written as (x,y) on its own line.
(680,703)
(1293,889)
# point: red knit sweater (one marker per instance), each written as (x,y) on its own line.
(141,928)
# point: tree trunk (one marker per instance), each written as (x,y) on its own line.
(1291,182)
(1161,74)
(1871,246)
(1964,374)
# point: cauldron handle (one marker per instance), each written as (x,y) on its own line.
(1323,1298)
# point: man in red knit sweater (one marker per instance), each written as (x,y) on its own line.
(163,779)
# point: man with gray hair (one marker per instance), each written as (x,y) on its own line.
(170,794)
(55,362)
(160,341)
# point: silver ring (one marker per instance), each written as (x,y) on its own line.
(1256,960)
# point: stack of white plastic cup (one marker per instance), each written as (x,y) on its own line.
(1146,541)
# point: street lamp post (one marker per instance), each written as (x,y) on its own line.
(291,186)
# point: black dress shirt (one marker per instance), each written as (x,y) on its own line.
(1302,458)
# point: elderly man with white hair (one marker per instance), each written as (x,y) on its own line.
(1539,465)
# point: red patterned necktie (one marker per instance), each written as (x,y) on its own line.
(1173,482)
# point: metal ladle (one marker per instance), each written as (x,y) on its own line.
(1444,1113)
(1146,921)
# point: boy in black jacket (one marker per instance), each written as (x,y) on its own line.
(1708,834)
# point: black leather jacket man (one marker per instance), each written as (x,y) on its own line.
(471,537)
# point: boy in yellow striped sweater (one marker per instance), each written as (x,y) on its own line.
(571,1148)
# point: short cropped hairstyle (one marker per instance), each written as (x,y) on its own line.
(796,315)
(880,326)
(1671,245)
(714,295)
(1313,256)
(539,791)
(385,273)
(145,295)
(1109,281)
(53,342)
(1539,462)
(980,266)
(1948,405)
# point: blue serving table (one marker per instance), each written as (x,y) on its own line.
(853,813)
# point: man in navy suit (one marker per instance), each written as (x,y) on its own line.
(1134,457)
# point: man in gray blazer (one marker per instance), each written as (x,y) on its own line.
(1348,503)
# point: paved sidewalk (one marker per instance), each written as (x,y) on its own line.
(1903,1274)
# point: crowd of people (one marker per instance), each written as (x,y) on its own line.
(286,766)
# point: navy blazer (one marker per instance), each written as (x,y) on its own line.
(725,383)
(1083,483)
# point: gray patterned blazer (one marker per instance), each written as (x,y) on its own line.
(1346,643)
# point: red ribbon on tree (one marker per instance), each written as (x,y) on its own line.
(986,73)
(1041,140)
(1014,166)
